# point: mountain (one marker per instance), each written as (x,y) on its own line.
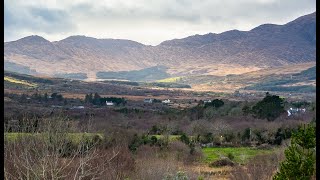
(230,52)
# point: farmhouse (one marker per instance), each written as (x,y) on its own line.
(109,103)
(207,101)
(294,111)
(148,100)
(167,101)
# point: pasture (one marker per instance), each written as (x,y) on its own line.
(241,154)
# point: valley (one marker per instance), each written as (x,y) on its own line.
(213,106)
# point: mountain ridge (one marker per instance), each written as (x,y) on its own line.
(266,45)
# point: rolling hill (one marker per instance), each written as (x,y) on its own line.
(230,52)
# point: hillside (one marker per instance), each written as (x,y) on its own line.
(230,52)
(269,79)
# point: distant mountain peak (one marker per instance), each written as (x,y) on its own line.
(33,39)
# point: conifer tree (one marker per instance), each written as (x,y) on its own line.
(300,159)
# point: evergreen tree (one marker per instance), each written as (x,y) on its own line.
(300,156)
(270,107)
(90,98)
(86,99)
(96,99)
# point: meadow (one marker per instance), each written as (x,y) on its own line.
(241,154)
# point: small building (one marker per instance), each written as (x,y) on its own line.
(167,101)
(77,107)
(207,101)
(109,103)
(148,100)
(294,111)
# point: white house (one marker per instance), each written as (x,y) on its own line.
(207,101)
(167,101)
(109,103)
(293,111)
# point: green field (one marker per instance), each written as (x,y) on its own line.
(241,154)
(170,80)
(171,137)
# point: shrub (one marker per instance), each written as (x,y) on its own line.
(153,140)
(230,156)
(229,136)
(215,103)
(185,139)
(221,163)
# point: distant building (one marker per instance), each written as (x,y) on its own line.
(207,101)
(294,111)
(77,107)
(148,100)
(167,101)
(109,103)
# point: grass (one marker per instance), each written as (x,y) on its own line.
(241,154)
(74,137)
(17,81)
(171,137)
(170,80)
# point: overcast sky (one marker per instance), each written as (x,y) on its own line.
(146,21)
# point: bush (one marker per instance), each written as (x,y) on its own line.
(221,163)
(185,139)
(230,156)
(215,103)
(229,137)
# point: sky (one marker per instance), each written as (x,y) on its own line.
(146,21)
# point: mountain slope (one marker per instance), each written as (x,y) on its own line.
(231,52)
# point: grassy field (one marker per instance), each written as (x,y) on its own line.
(170,80)
(241,154)
(17,81)
(171,137)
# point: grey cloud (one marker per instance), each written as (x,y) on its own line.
(70,16)
(36,20)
